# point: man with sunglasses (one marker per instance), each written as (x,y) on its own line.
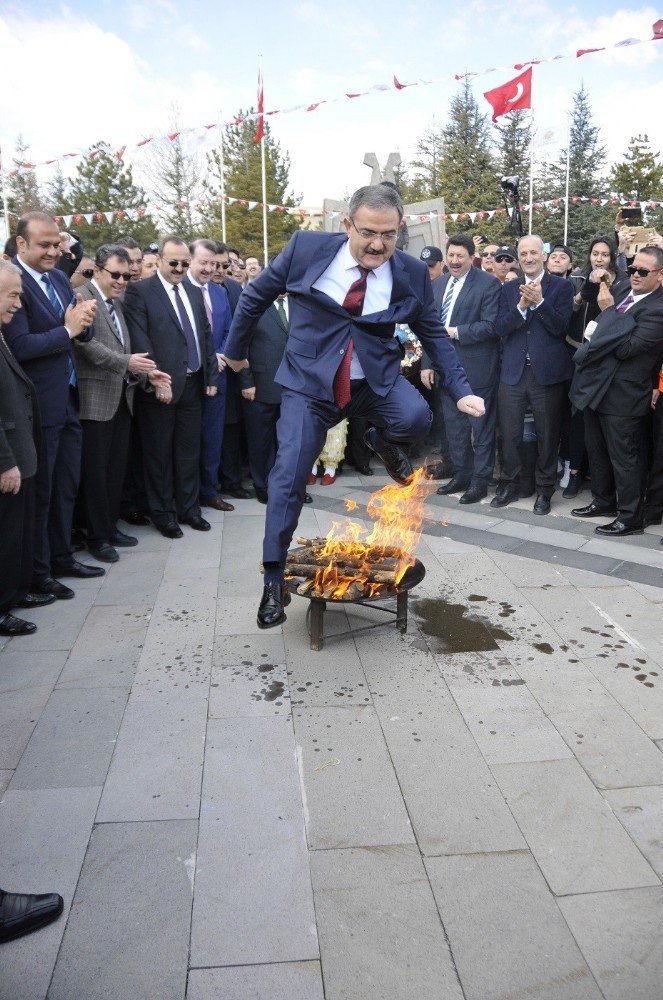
(616,372)
(107,373)
(346,291)
(168,321)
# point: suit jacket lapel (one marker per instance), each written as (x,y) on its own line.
(320,263)
(165,298)
(38,293)
(11,360)
(464,292)
(104,316)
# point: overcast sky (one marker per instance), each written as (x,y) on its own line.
(115,68)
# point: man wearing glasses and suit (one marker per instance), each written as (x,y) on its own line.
(346,292)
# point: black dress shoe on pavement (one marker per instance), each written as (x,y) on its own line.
(78,569)
(78,547)
(395,460)
(364,470)
(50,586)
(170,529)
(308,498)
(35,600)
(455,485)
(118,538)
(593,510)
(438,470)
(617,529)
(21,914)
(261,495)
(572,489)
(473,495)
(136,517)
(103,552)
(275,597)
(541,504)
(238,492)
(196,522)
(15,626)
(505,495)
(216,503)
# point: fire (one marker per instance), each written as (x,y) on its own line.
(398,516)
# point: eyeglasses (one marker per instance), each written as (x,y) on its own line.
(222,267)
(500,260)
(178,263)
(87,272)
(117,275)
(368,234)
(488,255)
(642,271)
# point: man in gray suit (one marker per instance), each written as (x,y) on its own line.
(107,373)
(467,300)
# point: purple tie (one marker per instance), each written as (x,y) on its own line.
(208,305)
(193,362)
(623,306)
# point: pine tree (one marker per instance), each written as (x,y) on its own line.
(103,184)
(468,176)
(243,180)
(23,194)
(640,175)
(422,180)
(57,194)
(514,135)
(175,183)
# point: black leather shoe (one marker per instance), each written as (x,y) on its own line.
(136,517)
(275,597)
(21,914)
(541,504)
(50,586)
(78,569)
(261,495)
(308,498)
(616,529)
(118,538)
(573,488)
(505,495)
(238,492)
(15,626)
(593,510)
(473,495)
(103,552)
(35,600)
(455,485)
(170,529)
(364,470)
(395,460)
(196,522)
(439,470)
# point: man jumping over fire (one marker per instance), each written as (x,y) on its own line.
(346,293)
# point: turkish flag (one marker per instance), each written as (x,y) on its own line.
(512,96)
(260,131)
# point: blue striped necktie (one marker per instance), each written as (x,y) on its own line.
(59,308)
(446,303)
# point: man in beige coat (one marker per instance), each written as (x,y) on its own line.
(107,373)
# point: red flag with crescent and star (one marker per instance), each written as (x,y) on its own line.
(515,95)
(260,130)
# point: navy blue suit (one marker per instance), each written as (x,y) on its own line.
(474,314)
(535,369)
(320,331)
(43,348)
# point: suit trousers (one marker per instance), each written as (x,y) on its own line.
(134,499)
(17,517)
(617,448)
(56,486)
(654,501)
(214,410)
(170,438)
(260,421)
(472,439)
(103,467)
(546,403)
(402,415)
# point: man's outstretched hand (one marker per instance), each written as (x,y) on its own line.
(235,365)
(472,405)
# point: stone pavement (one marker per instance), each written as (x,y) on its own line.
(472,810)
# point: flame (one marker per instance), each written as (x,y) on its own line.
(398,516)
(350,504)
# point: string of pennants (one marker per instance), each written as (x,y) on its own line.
(134,214)
(200,135)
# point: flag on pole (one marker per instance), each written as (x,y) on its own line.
(260,131)
(515,95)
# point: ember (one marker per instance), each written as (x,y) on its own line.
(354,562)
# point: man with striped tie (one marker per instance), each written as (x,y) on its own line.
(40,336)
(616,374)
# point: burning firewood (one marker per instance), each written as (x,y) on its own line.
(310,571)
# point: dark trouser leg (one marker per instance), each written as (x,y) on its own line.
(156,422)
(134,499)
(214,412)
(654,501)
(64,487)
(600,467)
(459,437)
(50,439)
(546,402)
(230,472)
(105,448)
(357,451)
(511,406)
(401,416)
(186,448)
(576,449)
(626,441)
(16,543)
(260,421)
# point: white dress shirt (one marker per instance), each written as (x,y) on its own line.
(114,316)
(528,281)
(454,296)
(205,290)
(336,280)
(184,298)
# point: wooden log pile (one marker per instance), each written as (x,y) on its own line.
(361,575)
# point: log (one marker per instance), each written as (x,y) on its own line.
(304,587)
(379,552)
(310,571)
(305,557)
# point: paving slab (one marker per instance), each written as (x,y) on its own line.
(538,533)
(380,934)
(573,834)
(253,900)
(58,624)
(640,811)
(619,934)
(528,572)
(137,577)
(74,739)
(506,933)
(291,980)
(231,649)
(5,778)
(26,684)
(44,836)
(127,934)
(330,676)
(635,681)
(108,647)
(240,582)
(249,691)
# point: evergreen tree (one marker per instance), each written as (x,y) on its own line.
(243,180)
(514,135)
(23,194)
(422,181)
(103,184)
(57,194)
(175,184)
(640,175)
(468,176)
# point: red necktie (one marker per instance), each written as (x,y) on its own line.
(623,306)
(354,303)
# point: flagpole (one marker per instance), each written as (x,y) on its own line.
(5,208)
(531,168)
(568,173)
(223,185)
(264,178)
